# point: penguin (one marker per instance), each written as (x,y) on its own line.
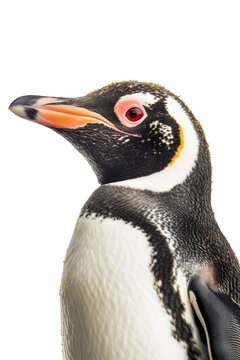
(148,273)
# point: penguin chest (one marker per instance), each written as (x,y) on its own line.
(110,307)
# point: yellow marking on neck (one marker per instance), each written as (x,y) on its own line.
(177,153)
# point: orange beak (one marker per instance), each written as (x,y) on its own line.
(50,112)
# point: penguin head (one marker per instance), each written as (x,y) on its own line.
(125,130)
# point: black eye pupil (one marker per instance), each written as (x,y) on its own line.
(132,113)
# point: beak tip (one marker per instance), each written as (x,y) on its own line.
(22,106)
(18,110)
(12,104)
(17,106)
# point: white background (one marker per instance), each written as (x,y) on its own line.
(68,48)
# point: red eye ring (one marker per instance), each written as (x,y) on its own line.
(134,114)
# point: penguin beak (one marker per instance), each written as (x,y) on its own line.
(55,112)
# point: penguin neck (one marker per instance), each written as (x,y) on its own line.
(194,193)
(191,189)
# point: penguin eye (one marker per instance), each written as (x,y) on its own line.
(134,114)
(130,112)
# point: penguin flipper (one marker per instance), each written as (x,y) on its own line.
(219,316)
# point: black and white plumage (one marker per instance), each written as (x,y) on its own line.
(146,234)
